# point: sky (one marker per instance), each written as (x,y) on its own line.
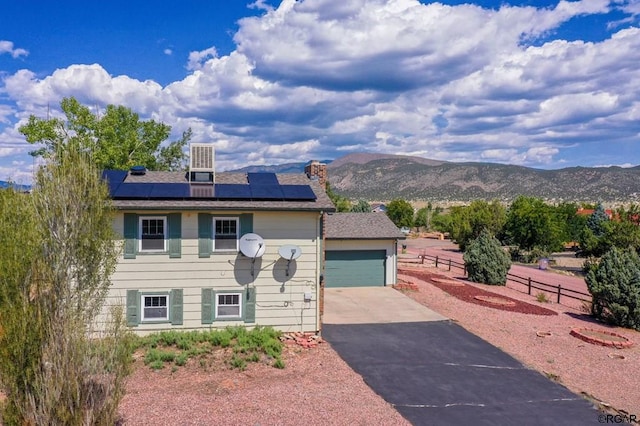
(542,84)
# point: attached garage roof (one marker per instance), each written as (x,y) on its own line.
(361,226)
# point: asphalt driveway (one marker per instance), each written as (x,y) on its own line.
(434,372)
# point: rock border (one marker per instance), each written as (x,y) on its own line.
(579,333)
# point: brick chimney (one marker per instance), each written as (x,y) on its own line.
(317,171)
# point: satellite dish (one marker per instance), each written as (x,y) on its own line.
(252,245)
(290,251)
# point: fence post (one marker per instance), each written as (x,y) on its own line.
(559,290)
(464,269)
(529,285)
(449,264)
(436,261)
(422,257)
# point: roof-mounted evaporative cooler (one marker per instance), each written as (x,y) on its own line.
(201,169)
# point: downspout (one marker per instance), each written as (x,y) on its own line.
(320,272)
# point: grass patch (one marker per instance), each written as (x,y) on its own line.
(542,297)
(177,347)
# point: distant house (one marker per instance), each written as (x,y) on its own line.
(588,212)
(361,250)
(183,264)
(378,208)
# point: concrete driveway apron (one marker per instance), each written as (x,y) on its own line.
(434,372)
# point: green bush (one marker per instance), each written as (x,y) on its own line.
(614,283)
(485,260)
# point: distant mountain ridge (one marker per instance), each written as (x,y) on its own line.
(277,168)
(385,176)
(4,184)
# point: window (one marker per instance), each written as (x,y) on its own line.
(155,308)
(153,233)
(228,305)
(225,237)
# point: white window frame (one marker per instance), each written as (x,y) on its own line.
(228,218)
(217,305)
(164,226)
(142,307)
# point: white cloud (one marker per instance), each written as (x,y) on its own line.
(168,52)
(396,76)
(197,58)
(7,47)
(89,83)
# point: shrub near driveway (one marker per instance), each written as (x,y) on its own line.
(485,260)
(614,283)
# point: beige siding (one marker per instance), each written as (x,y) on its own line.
(279,298)
(388,245)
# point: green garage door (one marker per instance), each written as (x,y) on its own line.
(355,268)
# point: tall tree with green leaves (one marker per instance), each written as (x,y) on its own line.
(116,139)
(532,224)
(400,212)
(361,207)
(342,204)
(63,358)
(468,222)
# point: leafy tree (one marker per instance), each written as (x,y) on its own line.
(422,218)
(467,222)
(533,224)
(361,207)
(601,234)
(614,283)
(342,203)
(440,221)
(117,139)
(400,212)
(485,260)
(57,256)
(572,223)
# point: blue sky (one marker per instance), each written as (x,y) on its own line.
(543,84)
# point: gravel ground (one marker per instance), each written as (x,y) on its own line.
(318,388)
(315,388)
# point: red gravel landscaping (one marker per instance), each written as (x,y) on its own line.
(468,293)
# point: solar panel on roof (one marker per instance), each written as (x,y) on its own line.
(262,179)
(232,191)
(297,192)
(133,190)
(169,190)
(266,192)
(113,178)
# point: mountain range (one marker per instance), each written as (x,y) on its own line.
(382,177)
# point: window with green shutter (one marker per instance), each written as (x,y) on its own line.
(154,307)
(221,233)
(228,305)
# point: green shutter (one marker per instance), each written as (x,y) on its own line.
(207,306)
(175,234)
(133,307)
(130,235)
(250,305)
(246,223)
(176,307)
(204,235)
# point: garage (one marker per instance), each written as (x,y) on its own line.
(360,250)
(355,268)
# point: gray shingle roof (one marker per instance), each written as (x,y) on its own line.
(322,202)
(361,226)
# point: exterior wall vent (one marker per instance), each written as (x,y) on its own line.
(201,163)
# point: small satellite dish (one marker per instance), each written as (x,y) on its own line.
(290,251)
(252,245)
